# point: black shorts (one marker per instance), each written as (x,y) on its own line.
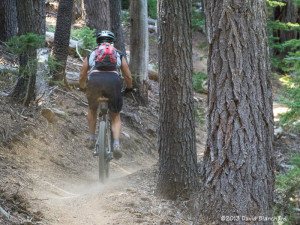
(105,84)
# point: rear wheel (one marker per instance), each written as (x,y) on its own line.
(109,149)
(102,146)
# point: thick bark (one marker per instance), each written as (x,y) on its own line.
(62,38)
(8,19)
(31,14)
(139,47)
(238,161)
(177,148)
(97,14)
(116,24)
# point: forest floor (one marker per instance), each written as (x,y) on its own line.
(48,176)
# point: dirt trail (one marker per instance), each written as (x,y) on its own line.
(49,166)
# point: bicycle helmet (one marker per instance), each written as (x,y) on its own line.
(105,36)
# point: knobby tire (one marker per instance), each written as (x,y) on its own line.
(102,147)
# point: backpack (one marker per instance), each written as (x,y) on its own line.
(106,57)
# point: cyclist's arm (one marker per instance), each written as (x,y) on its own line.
(126,73)
(83,73)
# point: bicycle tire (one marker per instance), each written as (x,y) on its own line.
(101,150)
(109,145)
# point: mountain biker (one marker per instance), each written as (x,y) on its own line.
(105,83)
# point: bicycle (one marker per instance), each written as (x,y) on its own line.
(104,142)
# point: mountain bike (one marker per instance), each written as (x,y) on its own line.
(104,143)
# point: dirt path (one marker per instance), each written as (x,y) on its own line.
(51,169)
(86,201)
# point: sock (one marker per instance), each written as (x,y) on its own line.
(92,137)
(116,143)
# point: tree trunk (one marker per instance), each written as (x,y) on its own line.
(139,47)
(77,10)
(238,161)
(30,15)
(97,14)
(62,38)
(8,19)
(177,147)
(285,14)
(40,22)
(116,24)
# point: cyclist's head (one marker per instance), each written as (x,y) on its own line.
(105,36)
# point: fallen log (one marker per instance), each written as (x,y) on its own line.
(72,44)
(9,68)
(72,78)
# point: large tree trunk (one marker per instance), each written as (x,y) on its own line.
(238,161)
(8,19)
(116,24)
(97,14)
(62,38)
(139,47)
(31,14)
(177,148)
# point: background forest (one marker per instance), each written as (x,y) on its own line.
(64,34)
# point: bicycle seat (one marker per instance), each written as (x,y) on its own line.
(102,99)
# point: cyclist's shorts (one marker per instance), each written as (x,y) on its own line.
(105,84)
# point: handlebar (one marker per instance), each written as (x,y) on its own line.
(128,90)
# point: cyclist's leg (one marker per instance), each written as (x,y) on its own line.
(92,120)
(93,92)
(116,125)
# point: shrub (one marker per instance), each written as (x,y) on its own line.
(292,96)
(21,44)
(198,79)
(287,190)
(87,36)
(152,9)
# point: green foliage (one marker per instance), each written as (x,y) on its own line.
(52,64)
(198,79)
(277,25)
(292,83)
(125,17)
(287,188)
(198,19)
(87,36)
(297,2)
(20,44)
(152,8)
(50,28)
(200,115)
(275,3)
